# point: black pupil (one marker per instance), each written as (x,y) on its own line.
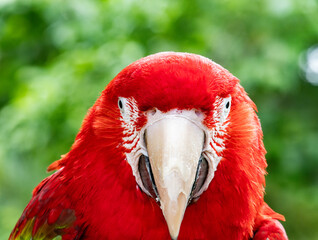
(227,105)
(120,104)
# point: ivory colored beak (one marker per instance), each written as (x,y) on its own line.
(174,147)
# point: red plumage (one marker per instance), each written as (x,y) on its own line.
(94,194)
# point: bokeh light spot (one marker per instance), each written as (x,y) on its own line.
(309,64)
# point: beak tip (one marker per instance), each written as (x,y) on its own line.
(173,213)
(174,236)
(174,229)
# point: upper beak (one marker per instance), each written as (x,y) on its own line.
(174,146)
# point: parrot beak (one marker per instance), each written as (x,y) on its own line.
(174,146)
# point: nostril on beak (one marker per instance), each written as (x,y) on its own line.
(198,113)
(153,112)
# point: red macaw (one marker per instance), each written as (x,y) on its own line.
(171,149)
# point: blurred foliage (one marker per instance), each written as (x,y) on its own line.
(57,56)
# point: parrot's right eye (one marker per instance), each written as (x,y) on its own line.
(121,104)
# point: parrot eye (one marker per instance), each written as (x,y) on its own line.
(201,175)
(226,108)
(121,104)
(227,105)
(147,178)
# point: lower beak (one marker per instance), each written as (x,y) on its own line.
(174,146)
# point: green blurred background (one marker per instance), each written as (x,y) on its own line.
(57,56)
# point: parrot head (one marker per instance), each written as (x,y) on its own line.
(177,134)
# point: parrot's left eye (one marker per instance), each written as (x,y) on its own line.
(226,106)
